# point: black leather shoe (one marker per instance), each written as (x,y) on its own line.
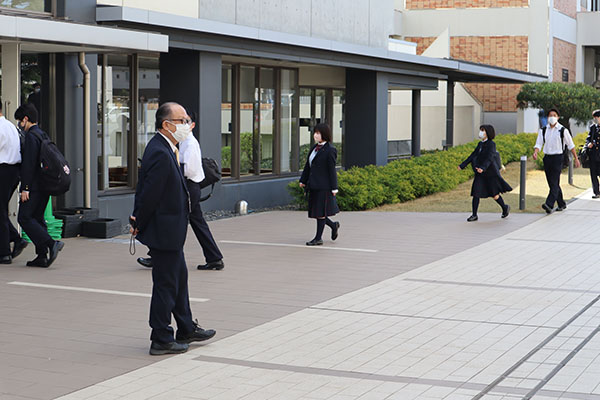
(40,261)
(506,211)
(315,242)
(19,247)
(160,349)
(334,231)
(218,265)
(53,251)
(596,196)
(561,208)
(145,262)
(472,218)
(547,208)
(6,260)
(197,335)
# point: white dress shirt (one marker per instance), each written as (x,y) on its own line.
(10,143)
(553,144)
(190,156)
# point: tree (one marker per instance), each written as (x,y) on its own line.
(573,100)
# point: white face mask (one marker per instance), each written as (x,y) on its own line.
(481,134)
(552,120)
(182,131)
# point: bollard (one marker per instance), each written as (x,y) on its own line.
(241,207)
(570,169)
(522,184)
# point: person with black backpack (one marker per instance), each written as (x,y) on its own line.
(556,142)
(35,190)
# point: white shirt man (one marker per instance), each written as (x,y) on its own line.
(190,156)
(10,143)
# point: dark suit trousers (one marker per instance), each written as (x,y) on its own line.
(594,171)
(9,179)
(199,225)
(169,295)
(31,219)
(553,168)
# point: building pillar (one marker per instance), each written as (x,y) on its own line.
(193,79)
(450,114)
(11,79)
(366,118)
(416,123)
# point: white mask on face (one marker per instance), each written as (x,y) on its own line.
(552,120)
(481,134)
(182,131)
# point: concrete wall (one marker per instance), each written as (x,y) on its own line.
(503,122)
(364,22)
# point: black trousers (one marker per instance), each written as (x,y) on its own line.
(553,168)
(594,171)
(199,225)
(9,179)
(31,219)
(169,295)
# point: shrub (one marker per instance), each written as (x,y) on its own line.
(404,180)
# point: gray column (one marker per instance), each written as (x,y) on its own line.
(366,118)
(450,114)
(193,79)
(416,123)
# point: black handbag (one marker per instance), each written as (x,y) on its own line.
(584,157)
(212,175)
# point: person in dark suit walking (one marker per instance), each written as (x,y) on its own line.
(593,144)
(160,219)
(488,182)
(319,178)
(33,199)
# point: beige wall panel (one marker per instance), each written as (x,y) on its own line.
(217,10)
(322,76)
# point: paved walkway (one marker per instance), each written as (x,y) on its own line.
(402,306)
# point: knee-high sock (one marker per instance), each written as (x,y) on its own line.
(330,223)
(320,227)
(475,205)
(500,202)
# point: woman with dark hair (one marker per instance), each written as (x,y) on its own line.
(593,144)
(319,178)
(488,182)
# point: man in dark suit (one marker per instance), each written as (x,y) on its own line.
(33,198)
(160,220)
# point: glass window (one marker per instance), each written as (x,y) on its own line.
(28,5)
(289,121)
(267,116)
(337,128)
(114,109)
(305,125)
(226,118)
(248,119)
(148,101)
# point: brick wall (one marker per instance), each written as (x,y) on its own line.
(563,57)
(568,7)
(502,51)
(429,4)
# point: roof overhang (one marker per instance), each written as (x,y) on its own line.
(51,36)
(379,59)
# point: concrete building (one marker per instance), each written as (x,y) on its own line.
(537,36)
(259,74)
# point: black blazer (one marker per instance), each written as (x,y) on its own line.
(30,158)
(483,157)
(321,175)
(594,138)
(161,199)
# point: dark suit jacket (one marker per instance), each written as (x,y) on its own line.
(30,158)
(321,175)
(594,138)
(161,198)
(483,157)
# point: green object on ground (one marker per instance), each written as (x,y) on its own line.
(54,225)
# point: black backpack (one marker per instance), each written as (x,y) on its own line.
(55,174)
(565,157)
(212,175)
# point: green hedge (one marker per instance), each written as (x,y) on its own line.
(403,180)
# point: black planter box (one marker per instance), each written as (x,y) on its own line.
(101,228)
(71,223)
(87,213)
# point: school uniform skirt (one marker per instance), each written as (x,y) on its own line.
(321,204)
(489,186)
